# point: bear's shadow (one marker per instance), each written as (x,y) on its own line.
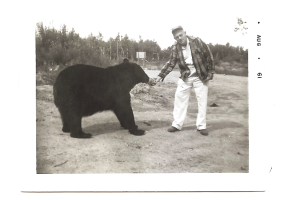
(100,129)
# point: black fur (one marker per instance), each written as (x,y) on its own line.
(83,90)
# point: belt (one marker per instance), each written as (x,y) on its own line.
(194,75)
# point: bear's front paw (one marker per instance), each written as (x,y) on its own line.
(137,132)
(125,127)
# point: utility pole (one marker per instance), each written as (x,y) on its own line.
(110,49)
(117,48)
(122,54)
(143,53)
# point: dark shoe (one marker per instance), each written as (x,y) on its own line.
(172,129)
(203,132)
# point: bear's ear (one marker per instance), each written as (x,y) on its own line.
(140,74)
(125,60)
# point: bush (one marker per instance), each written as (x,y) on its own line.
(228,59)
(231,71)
(225,64)
(140,88)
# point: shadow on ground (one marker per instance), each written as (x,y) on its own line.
(107,128)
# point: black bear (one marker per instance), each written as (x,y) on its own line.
(82,90)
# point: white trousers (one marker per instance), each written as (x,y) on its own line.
(182,96)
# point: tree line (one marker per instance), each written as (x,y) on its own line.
(63,47)
(228,53)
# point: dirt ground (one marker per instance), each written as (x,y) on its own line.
(113,150)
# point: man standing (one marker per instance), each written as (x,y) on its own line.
(197,68)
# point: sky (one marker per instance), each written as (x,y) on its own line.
(212,21)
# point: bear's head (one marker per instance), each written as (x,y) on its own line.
(131,74)
(140,75)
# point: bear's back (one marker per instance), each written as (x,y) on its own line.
(78,80)
(80,72)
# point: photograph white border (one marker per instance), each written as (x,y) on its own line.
(255,180)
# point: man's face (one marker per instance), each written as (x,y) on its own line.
(180,37)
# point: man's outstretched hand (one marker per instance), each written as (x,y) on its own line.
(152,81)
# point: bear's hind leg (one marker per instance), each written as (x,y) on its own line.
(63,116)
(74,122)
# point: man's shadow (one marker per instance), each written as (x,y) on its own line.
(216,125)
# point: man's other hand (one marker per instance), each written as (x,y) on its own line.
(210,76)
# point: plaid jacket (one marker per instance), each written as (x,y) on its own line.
(202,59)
